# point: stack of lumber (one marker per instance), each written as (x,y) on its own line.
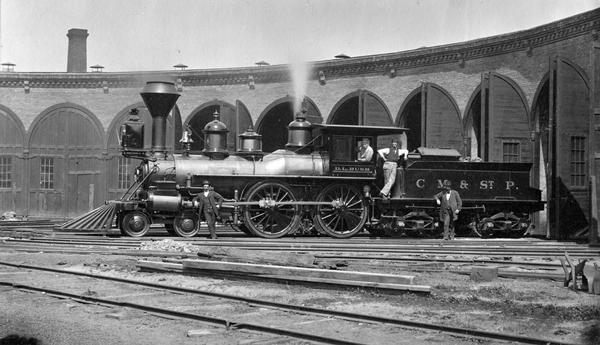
(287,273)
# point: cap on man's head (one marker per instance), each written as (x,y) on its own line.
(395,140)
(206,182)
(447,184)
(365,140)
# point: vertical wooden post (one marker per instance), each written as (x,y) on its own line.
(594,140)
(423,133)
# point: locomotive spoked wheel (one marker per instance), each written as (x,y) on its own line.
(135,224)
(345,216)
(186,224)
(270,219)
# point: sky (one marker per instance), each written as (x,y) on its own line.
(150,35)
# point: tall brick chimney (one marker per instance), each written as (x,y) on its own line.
(77,56)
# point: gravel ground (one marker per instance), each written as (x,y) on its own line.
(540,308)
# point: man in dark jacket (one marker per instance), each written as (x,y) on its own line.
(209,202)
(450,205)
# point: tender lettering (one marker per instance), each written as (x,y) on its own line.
(421,183)
(486,184)
(510,184)
(464,184)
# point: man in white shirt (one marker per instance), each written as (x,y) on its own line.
(391,156)
(365,151)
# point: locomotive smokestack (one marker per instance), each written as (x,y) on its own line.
(160,97)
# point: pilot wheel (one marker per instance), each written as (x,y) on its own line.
(135,224)
(186,224)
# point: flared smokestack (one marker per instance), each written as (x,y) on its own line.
(77,55)
(160,97)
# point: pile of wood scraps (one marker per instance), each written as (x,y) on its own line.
(288,267)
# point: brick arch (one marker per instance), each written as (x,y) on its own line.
(433,117)
(533,118)
(402,114)
(13,183)
(273,126)
(203,114)
(17,123)
(367,109)
(65,167)
(503,101)
(80,110)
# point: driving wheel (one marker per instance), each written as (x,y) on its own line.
(270,218)
(346,215)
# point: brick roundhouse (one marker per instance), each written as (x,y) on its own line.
(529,96)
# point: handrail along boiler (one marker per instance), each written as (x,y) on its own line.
(314,184)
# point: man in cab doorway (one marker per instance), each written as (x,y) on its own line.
(392,156)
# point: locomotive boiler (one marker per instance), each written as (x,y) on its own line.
(313,185)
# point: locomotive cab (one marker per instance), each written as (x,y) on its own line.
(341,143)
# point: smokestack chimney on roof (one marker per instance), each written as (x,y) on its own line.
(77,55)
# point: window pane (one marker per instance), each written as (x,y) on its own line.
(47,173)
(511,152)
(578,175)
(125,172)
(5,172)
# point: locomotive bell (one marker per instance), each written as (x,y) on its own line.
(132,132)
(215,138)
(299,132)
(160,98)
(250,141)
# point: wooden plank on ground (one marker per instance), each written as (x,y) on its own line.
(384,286)
(294,271)
(258,257)
(178,268)
(160,266)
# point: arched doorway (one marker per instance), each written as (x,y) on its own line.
(65,146)
(497,120)
(561,118)
(12,180)
(237,119)
(361,108)
(273,122)
(433,118)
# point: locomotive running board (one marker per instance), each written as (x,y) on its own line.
(99,219)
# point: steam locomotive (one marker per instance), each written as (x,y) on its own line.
(313,185)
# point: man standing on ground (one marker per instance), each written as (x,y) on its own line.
(391,156)
(450,205)
(209,202)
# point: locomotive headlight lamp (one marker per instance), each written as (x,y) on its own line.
(400,223)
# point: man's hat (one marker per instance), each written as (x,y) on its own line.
(206,182)
(447,183)
(395,140)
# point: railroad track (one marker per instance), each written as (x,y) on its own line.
(342,248)
(240,313)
